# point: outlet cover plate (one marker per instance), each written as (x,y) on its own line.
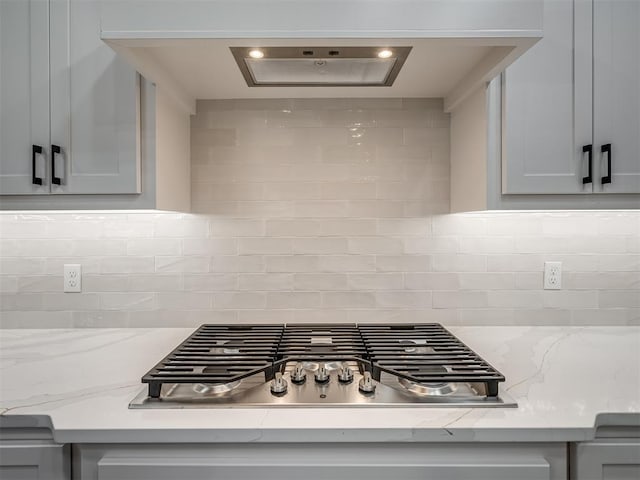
(72,278)
(552,275)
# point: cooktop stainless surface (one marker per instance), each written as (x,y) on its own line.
(421,365)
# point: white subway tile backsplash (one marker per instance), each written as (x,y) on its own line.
(265,281)
(90,265)
(264,245)
(487,281)
(360,190)
(360,154)
(376,281)
(321,281)
(155,283)
(375,209)
(460,299)
(236,227)
(8,284)
(293,190)
(293,228)
(210,282)
(348,300)
(432,281)
(348,227)
(347,263)
(208,246)
(320,245)
(404,299)
(319,210)
(239,300)
(288,300)
(155,246)
(420,227)
(291,263)
(531,280)
(36,318)
(185,301)
(127,301)
(459,263)
(403,263)
(78,301)
(617,263)
(20,301)
(431,245)
(233,264)
(618,299)
(265,209)
(39,283)
(375,245)
(22,266)
(190,264)
(515,299)
(569,299)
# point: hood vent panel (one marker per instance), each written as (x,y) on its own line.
(320,66)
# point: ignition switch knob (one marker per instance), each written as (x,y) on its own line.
(298,375)
(366,384)
(278,384)
(322,375)
(345,374)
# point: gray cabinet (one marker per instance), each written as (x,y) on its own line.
(27,450)
(322,461)
(70,106)
(24,96)
(607,460)
(34,461)
(573,94)
(616,87)
(614,454)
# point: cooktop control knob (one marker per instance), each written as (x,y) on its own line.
(345,374)
(299,375)
(366,384)
(322,374)
(278,385)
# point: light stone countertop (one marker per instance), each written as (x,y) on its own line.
(563,379)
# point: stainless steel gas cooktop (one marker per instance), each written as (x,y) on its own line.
(335,365)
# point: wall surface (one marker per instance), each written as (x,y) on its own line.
(319,211)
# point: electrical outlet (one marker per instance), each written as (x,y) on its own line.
(73,277)
(552,275)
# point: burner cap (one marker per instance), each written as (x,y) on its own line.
(215,388)
(426,389)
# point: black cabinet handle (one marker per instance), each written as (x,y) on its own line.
(55,150)
(606,148)
(35,150)
(589,150)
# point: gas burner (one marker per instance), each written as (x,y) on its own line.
(220,350)
(314,366)
(428,389)
(411,346)
(215,388)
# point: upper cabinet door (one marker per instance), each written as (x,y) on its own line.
(616,87)
(547,115)
(94,107)
(24,97)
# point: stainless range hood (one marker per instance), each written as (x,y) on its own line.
(320,66)
(195,49)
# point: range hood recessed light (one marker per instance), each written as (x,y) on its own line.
(320,66)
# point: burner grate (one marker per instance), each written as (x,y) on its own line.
(328,341)
(412,351)
(218,354)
